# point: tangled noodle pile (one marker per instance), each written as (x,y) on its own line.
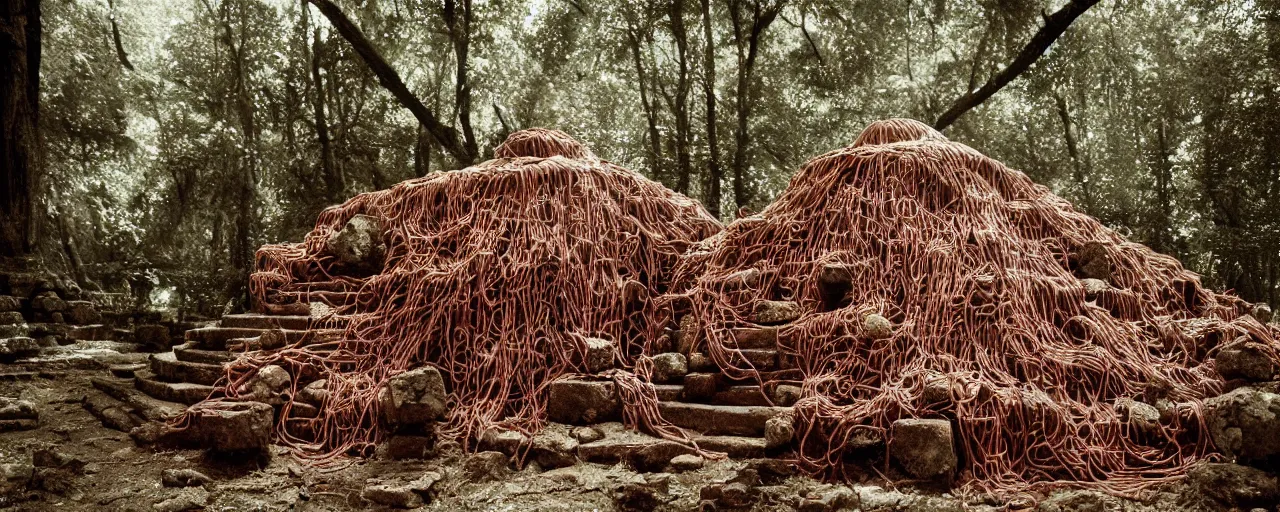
(497,273)
(975,266)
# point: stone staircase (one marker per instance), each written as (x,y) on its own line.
(720,412)
(170,381)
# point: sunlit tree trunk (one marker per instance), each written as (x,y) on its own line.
(20,150)
(750,20)
(711,183)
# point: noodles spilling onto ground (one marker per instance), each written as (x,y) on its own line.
(977,269)
(495,274)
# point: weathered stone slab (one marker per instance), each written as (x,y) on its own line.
(720,419)
(581,402)
(924,448)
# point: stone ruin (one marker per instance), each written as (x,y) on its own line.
(712,345)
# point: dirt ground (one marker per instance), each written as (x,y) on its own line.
(81,465)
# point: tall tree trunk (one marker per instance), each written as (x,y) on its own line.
(680,103)
(459,25)
(654,157)
(1054,25)
(422,153)
(748,29)
(20,150)
(335,182)
(711,183)
(445,136)
(115,38)
(1079,172)
(1162,231)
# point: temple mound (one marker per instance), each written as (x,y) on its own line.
(498,275)
(937,283)
(906,300)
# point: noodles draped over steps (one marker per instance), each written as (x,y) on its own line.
(497,273)
(976,267)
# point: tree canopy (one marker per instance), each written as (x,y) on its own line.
(180,136)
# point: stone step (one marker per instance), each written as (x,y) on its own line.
(190,352)
(736,447)
(93,332)
(167,367)
(180,392)
(258,321)
(760,359)
(756,337)
(724,395)
(736,420)
(18,346)
(111,412)
(216,338)
(220,338)
(148,407)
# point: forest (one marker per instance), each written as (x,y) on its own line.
(174,138)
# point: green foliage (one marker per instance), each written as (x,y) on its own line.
(170,172)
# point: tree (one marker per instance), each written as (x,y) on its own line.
(446,137)
(1054,25)
(711,187)
(20,157)
(750,20)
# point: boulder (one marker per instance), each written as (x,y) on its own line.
(1093,287)
(923,447)
(1094,260)
(877,327)
(687,462)
(586,435)
(14,409)
(669,367)
(600,353)
(230,426)
(1244,359)
(1231,485)
(504,441)
(359,243)
(486,467)
(1141,416)
(405,447)
(314,393)
(786,395)
(554,449)
(14,330)
(1245,423)
(581,402)
(9,303)
(699,362)
(267,385)
(414,397)
(81,312)
(1262,312)
(18,346)
(656,456)
(183,478)
(11,318)
(48,302)
(779,431)
(774,312)
(937,387)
